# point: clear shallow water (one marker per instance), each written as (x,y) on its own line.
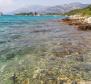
(43,49)
(17,33)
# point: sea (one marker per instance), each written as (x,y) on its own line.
(19,33)
(43,50)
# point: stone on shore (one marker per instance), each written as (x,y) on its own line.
(88,20)
(80,22)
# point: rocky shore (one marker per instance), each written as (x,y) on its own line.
(80,22)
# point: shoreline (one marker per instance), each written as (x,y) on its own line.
(79,22)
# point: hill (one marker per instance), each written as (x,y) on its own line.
(59,9)
(65,8)
(84,12)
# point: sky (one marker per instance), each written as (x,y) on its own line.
(9,5)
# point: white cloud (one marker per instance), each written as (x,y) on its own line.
(5,3)
(9,5)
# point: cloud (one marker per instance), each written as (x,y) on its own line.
(5,3)
(9,5)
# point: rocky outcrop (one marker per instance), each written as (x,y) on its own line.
(88,20)
(80,22)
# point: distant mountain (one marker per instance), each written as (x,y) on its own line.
(65,8)
(28,9)
(85,11)
(54,9)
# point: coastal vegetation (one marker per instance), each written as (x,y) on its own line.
(37,14)
(53,14)
(84,12)
(27,14)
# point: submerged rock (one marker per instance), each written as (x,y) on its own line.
(74,82)
(84,27)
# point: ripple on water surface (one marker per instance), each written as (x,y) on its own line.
(23,31)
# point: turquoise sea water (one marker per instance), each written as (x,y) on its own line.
(39,49)
(19,33)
